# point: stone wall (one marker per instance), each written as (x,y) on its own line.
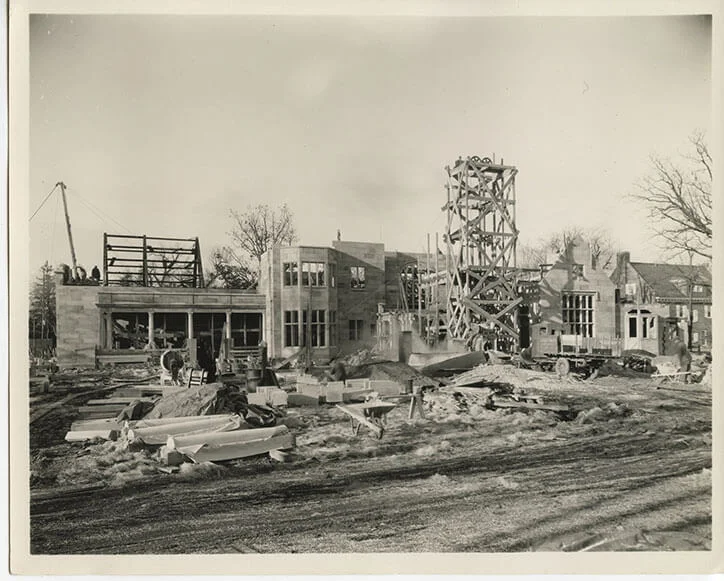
(359,304)
(562,278)
(77,324)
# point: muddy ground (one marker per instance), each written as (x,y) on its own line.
(631,471)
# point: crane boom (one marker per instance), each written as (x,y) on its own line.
(70,234)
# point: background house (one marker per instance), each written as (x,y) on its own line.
(655,301)
(575,297)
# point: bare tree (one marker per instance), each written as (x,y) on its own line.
(229,270)
(260,228)
(603,253)
(678,199)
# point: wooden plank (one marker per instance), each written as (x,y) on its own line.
(218,439)
(156,435)
(238,450)
(82,436)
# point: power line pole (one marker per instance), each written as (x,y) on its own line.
(67,224)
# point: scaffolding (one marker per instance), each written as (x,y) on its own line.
(481,238)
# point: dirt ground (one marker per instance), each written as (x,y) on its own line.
(629,470)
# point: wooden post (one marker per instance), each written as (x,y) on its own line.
(105,259)
(437,288)
(145,262)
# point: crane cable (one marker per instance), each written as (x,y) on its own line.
(43,202)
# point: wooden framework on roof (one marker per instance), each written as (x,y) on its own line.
(481,238)
(151,261)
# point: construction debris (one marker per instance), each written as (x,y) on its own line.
(157,435)
(232,445)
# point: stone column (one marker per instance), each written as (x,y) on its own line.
(190,324)
(228,325)
(108,331)
(151,344)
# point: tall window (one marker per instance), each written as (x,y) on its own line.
(245,329)
(317,332)
(319,329)
(357,274)
(707,311)
(313,273)
(291,328)
(333,328)
(355,329)
(695,316)
(291,274)
(577,313)
(333,275)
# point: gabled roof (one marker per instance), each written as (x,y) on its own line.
(661,277)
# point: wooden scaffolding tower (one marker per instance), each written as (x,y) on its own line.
(481,238)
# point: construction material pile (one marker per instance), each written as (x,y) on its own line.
(206,423)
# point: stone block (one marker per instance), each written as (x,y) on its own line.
(386,387)
(357,383)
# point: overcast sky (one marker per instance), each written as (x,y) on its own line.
(160,124)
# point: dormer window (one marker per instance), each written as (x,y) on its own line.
(577,271)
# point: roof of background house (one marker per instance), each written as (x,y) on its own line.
(660,278)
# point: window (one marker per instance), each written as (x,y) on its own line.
(317,330)
(577,313)
(695,316)
(630,289)
(129,330)
(333,275)
(291,328)
(291,274)
(577,270)
(707,311)
(245,329)
(357,274)
(632,327)
(695,335)
(312,273)
(333,328)
(682,312)
(355,329)
(698,288)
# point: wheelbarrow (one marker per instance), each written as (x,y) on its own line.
(372,414)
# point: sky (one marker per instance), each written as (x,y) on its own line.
(160,125)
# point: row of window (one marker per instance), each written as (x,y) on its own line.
(295,335)
(682,312)
(314,274)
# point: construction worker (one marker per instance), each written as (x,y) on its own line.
(683,358)
(96,274)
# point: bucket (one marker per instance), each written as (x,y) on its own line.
(253,379)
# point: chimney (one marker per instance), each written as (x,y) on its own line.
(622,259)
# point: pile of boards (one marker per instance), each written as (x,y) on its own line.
(201,437)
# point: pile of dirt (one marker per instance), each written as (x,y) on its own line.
(203,400)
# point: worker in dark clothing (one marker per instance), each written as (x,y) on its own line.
(96,274)
(338,372)
(683,358)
